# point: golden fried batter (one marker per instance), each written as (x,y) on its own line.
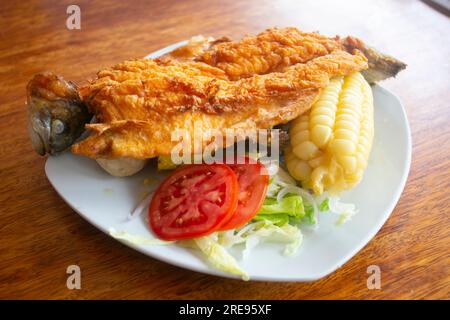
(275,49)
(269,51)
(141,102)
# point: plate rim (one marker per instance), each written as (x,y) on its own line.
(212,271)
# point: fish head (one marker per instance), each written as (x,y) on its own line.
(56,113)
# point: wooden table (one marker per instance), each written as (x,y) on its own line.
(41,236)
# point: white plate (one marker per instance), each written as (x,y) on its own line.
(105,202)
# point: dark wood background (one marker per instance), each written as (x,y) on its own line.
(40,235)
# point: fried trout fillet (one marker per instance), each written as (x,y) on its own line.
(275,49)
(140,103)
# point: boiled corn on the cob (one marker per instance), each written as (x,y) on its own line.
(330,145)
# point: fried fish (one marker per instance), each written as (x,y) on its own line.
(140,103)
(255,83)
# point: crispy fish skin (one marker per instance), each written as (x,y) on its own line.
(144,88)
(275,49)
(270,51)
(141,102)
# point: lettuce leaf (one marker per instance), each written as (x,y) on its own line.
(288,209)
(324,205)
(291,205)
(137,239)
(310,217)
(219,257)
(277,219)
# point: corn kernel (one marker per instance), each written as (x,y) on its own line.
(305,150)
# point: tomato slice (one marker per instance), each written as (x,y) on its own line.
(252,192)
(193,201)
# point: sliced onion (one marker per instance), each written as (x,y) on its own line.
(244,229)
(280,180)
(250,244)
(137,211)
(285,177)
(345,210)
(340,207)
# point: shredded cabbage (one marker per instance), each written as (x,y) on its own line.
(256,232)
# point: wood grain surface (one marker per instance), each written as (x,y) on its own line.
(40,235)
